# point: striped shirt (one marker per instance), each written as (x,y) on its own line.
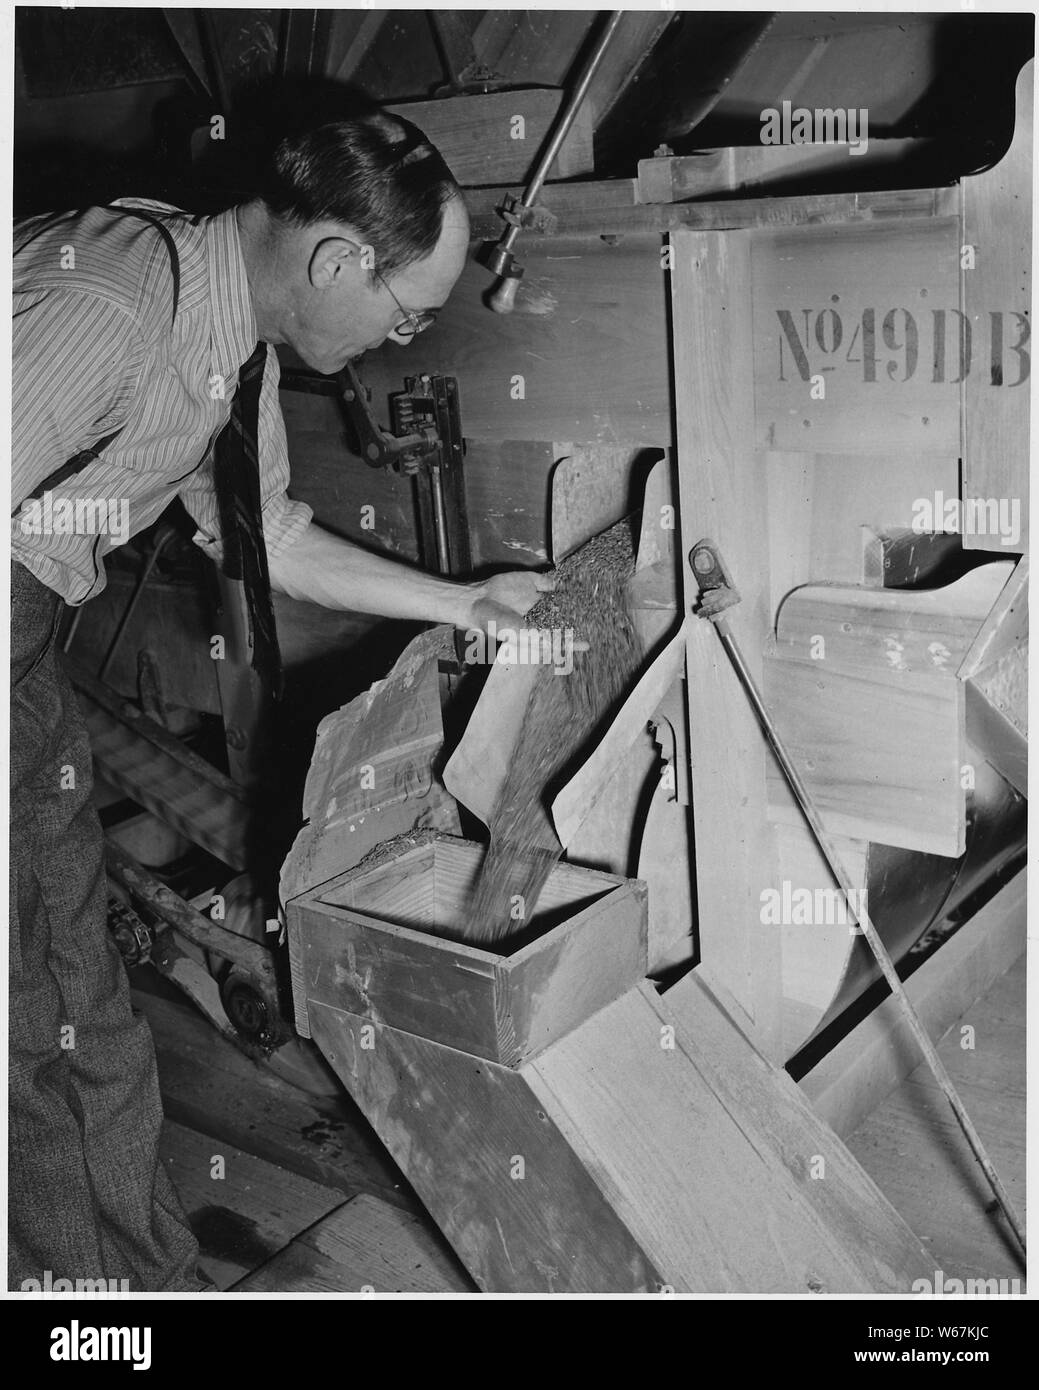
(97,349)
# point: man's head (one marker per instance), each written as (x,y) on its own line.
(360,231)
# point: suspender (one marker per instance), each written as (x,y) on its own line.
(79,461)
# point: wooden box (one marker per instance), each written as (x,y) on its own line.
(365,943)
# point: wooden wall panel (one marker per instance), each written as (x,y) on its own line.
(880,754)
(846,305)
(588,338)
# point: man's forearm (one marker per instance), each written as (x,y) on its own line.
(328,570)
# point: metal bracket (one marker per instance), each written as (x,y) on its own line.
(536,218)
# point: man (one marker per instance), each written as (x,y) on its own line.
(129,341)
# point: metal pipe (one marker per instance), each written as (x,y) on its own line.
(501,260)
(440,520)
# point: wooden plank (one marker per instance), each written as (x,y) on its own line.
(721,495)
(590,491)
(363,1245)
(914,1148)
(712,173)
(531,45)
(488,137)
(927,631)
(996,737)
(371,774)
(706,1152)
(853,1078)
(850,313)
(880,755)
(666,866)
(209,1085)
(1005,627)
(160,773)
(555,983)
(521,1210)
(381,972)
(578,795)
(241,1208)
(356,33)
(996,281)
(610,208)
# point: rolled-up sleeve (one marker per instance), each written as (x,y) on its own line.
(284,519)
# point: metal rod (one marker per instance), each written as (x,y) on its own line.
(863,919)
(504,296)
(569,114)
(161,540)
(440,520)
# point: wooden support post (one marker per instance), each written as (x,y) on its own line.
(723,496)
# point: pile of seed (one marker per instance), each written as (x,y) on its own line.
(565,716)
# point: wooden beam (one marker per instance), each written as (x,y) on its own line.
(706,1151)
(711,173)
(996,264)
(610,208)
(996,737)
(853,1078)
(1005,627)
(494,136)
(722,496)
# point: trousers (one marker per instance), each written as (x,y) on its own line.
(88,1195)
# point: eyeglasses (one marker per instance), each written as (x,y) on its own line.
(413,323)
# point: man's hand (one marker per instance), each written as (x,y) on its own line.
(323,568)
(505,599)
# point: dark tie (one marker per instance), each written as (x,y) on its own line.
(236,471)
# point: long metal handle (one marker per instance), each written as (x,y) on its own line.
(862,917)
(566,120)
(504,296)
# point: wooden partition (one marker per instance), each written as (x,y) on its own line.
(829,379)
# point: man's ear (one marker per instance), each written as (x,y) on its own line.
(332,259)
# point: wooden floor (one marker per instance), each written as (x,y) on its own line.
(290,1191)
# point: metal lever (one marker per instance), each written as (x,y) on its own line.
(381,449)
